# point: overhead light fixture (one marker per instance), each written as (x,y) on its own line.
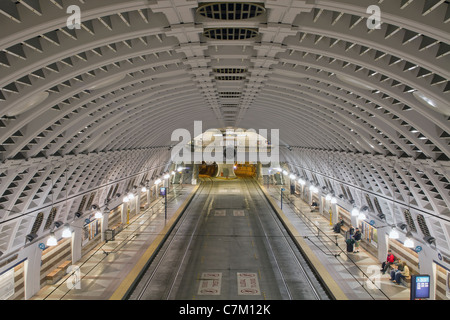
(125,199)
(333,200)
(355,212)
(328,197)
(394,234)
(409,242)
(302,182)
(67,233)
(28,104)
(98,215)
(51,241)
(354,82)
(285,172)
(361,216)
(157,181)
(107,82)
(430,102)
(144,189)
(131,196)
(167,176)
(292,176)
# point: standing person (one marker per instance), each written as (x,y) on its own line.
(357,238)
(389,261)
(351,230)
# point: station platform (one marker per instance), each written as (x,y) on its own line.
(107,265)
(357,274)
(105,268)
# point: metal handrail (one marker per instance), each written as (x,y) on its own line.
(319,231)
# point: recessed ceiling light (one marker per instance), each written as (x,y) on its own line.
(429,102)
(354,82)
(28,104)
(107,82)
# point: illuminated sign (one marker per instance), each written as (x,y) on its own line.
(420,287)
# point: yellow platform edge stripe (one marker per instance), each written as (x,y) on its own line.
(124,287)
(316,264)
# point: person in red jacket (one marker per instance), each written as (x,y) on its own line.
(389,260)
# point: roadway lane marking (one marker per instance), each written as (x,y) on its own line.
(248,284)
(210,284)
(238,213)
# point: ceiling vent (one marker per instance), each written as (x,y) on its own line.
(230,70)
(230,33)
(230,78)
(230,10)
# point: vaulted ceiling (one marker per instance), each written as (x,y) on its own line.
(89,111)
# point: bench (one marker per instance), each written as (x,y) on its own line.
(406,281)
(56,274)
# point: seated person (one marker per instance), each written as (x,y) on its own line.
(314,205)
(389,261)
(338,225)
(394,271)
(403,274)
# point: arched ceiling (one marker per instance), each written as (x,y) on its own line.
(90,101)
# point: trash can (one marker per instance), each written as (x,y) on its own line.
(109,235)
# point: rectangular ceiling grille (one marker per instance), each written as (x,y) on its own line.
(230,70)
(230,78)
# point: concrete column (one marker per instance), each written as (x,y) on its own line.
(149,197)
(321,202)
(383,244)
(138,203)
(354,220)
(427,266)
(334,213)
(76,239)
(32,271)
(194,174)
(105,225)
(259,173)
(124,213)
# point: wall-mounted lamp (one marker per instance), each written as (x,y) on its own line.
(57,224)
(30,237)
(430,239)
